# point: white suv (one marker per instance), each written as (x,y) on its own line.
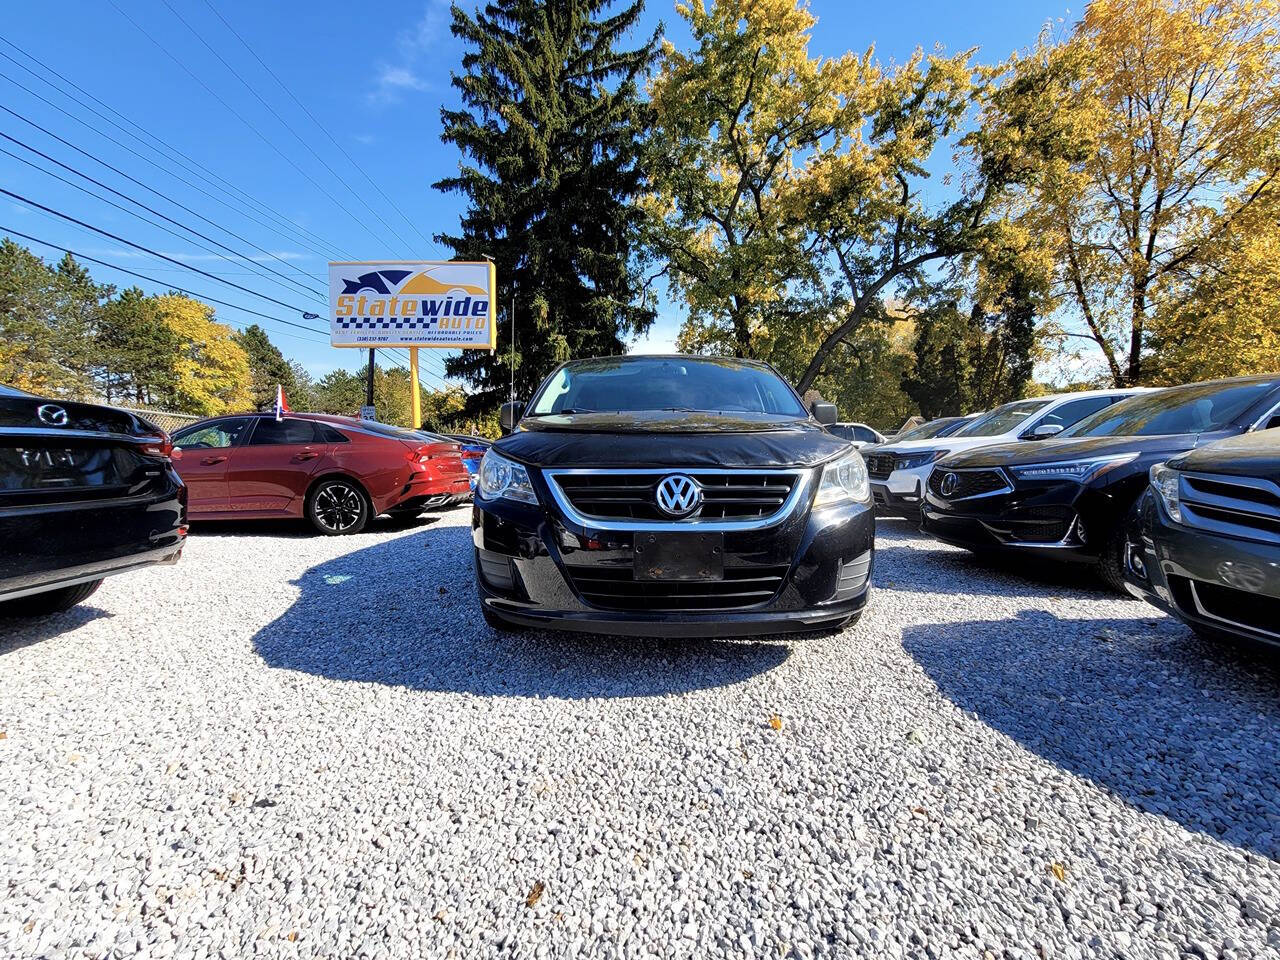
(898,471)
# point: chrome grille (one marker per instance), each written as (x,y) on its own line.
(1239,506)
(616,588)
(628,498)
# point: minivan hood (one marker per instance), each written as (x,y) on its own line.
(1248,455)
(670,439)
(1073,448)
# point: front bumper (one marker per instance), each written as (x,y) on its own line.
(1207,580)
(51,546)
(536,568)
(901,493)
(1033,519)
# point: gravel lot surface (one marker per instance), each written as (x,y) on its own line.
(298,746)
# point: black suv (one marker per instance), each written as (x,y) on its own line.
(1205,542)
(671,496)
(1069,497)
(85,492)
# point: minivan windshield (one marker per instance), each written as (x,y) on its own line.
(1001,419)
(1196,408)
(651,384)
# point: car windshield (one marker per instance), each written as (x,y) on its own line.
(1198,408)
(926,431)
(647,384)
(1002,419)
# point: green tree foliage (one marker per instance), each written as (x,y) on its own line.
(136,351)
(550,131)
(269,368)
(48,319)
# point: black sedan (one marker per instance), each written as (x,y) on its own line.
(1205,542)
(1069,497)
(671,496)
(85,492)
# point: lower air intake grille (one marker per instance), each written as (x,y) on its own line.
(617,589)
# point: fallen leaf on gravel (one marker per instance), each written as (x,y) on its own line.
(28,926)
(3,735)
(920,811)
(1059,871)
(439,915)
(235,798)
(747,874)
(915,736)
(535,894)
(293,936)
(775,721)
(74,758)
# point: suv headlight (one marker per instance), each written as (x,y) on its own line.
(919,459)
(843,479)
(1165,481)
(500,477)
(1077,470)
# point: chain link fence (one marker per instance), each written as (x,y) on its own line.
(166,421)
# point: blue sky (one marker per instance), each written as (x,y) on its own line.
(374,75)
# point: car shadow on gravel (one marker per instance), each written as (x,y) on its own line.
(287,528)
(945,569)
(1169,723)
(19,632)
(404,613)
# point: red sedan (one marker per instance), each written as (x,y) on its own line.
(337,472)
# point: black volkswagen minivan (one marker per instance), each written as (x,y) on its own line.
(671,496)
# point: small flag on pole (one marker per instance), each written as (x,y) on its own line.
(282,405)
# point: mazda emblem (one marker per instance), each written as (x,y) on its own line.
(53,415)
(678,495)
(947,485)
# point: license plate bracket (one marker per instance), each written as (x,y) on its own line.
(679,556)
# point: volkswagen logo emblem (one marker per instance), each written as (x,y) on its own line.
(947,485)
(678,495)
(53,415)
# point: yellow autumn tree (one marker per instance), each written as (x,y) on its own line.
(1178,107)
(1225,321)
(211,370)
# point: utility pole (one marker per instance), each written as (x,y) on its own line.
(512,398)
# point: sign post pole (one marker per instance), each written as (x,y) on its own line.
(415,417)
(368,383)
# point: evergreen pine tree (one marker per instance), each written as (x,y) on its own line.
(550,131)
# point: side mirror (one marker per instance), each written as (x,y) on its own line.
(824,413)
(1044,431)
(510,415)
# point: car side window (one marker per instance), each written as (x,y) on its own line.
(864,434)
(327,434)
(212,436)
(1075,410)
(288,430)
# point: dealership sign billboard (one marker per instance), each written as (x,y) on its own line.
(419,303)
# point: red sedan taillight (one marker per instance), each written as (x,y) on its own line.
(433,451)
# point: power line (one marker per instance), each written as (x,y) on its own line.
(106,136)
(158,146)
(323,129)
(260,135)
(161,283)
(235,73)
(99,183)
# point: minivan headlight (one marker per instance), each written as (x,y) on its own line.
(843,479)
(500,477)
(1165,481)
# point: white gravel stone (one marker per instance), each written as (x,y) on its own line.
(298,746)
